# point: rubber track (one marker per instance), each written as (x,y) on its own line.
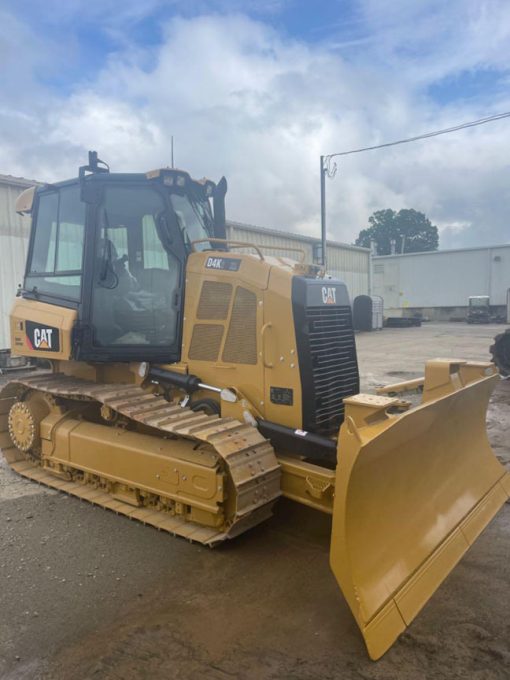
(248,457)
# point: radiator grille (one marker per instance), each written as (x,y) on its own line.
(241,343)
(205,342)
(333,364)
(214,300)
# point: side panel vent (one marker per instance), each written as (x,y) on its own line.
(241,343)
(205,342)
(214,300)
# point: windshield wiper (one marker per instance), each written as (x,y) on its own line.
(202,216)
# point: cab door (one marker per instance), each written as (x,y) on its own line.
(135,266)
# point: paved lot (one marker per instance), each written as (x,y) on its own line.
(87,594)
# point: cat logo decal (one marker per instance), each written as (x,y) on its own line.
(329,295)
(42,338)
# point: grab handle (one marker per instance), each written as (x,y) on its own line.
(264,329)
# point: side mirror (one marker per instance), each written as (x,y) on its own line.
(25,201)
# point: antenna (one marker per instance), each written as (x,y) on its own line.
(172,149)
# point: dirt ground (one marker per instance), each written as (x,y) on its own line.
(87,594)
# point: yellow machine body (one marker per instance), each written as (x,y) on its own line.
(59,321)
(409,487)
(237,332)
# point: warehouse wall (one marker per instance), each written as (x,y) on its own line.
(348,263)
(14,231)
(281,242)
(443,279)
(351,266)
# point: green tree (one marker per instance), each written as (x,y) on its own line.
(412,231)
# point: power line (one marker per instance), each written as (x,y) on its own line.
(328,167)
(426,135)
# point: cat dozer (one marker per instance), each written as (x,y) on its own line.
(195,380)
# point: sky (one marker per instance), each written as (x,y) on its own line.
(258,90)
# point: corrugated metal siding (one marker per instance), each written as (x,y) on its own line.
(10,222)
(280,243)
(14,231)
(351,266)
(348,263)
(443,279)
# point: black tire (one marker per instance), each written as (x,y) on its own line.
(500,351)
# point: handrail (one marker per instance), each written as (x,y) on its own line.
(292,248)
(237,244)
(243,244)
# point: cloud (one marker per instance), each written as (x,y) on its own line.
(431,39)
(244,100)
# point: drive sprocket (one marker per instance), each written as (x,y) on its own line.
(24,422)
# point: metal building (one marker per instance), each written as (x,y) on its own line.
(438,284)
(349,263)
(14,232)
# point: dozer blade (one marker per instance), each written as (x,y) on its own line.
(413,492)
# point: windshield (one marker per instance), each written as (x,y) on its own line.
(479,302)
(194,217)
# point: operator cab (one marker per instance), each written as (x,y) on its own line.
(114,246)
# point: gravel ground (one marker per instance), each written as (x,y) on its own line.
(87,594)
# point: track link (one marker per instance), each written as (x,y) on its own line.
(246,456)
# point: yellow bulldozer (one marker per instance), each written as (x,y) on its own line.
(195,380)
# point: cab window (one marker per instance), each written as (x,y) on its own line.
(136,275)
(194,218)
(55,262)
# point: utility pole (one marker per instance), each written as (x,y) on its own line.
(328,169)
(172,150)
(323,213)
